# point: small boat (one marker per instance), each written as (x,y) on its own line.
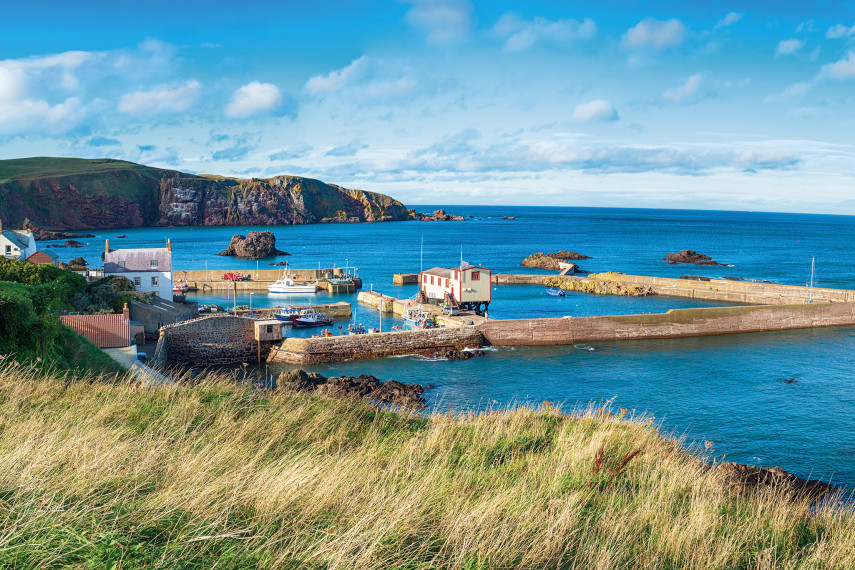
(555,292)
(180,288)
(311,318)
(356,329)
(417,319)
(286,314)
(287,285)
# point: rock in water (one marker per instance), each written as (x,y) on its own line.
(689,256)
(254,245)
(363,386)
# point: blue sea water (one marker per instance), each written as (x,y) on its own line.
(729,390)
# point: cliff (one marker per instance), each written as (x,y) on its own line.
(71,193)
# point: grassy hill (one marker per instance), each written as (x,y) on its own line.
(96,474)
(71,193)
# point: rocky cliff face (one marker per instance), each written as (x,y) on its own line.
(137,196)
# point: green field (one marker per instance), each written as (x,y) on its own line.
(50,167)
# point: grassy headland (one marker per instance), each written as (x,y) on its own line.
(218,475)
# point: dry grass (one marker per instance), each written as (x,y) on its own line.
(94,474)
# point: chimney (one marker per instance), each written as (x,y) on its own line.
(168,244)
(106,247)
(126,312)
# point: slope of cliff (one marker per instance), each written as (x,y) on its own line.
(71,193)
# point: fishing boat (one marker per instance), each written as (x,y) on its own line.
(555,292)
(180,288)
(286,284)
(417,319)
(356,329)
(311,317)
(286,314)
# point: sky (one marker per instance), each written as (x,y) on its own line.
(715,105)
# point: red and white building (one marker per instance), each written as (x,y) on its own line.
(467,287)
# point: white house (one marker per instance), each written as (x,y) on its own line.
(467,286)
(150,269)
(17,244)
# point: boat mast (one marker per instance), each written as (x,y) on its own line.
(810,289)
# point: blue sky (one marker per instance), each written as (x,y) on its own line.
(746,106)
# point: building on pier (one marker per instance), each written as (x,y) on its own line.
(466,287)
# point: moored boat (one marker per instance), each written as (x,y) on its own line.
(356,329)
(311,318)
(286,314)
(555,292)
(286,284)
(417,319)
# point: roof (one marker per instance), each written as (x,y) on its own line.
(105,331)
(138,260)
(163,307)
(443,272)
(15,238)
(43,256)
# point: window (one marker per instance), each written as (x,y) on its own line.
(137,281)
(431,279)
(121,264)
(476,276)
(446,283)
(154,281)
(154,263)
(269,329)
(8,250)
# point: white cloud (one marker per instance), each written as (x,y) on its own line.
(843,69)
(786,47)
(728,20)
(796,90)
(838,31)
(163,99)
(596,111)
(655,34)
(520,34)
(254,98)
(335,80)
(445,21)
(683,92)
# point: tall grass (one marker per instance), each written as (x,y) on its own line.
(100,474)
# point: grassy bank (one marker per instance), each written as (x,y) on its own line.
(93,474)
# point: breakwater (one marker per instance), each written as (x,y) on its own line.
(320,350)
(672,324)
(209,341)
(212,280)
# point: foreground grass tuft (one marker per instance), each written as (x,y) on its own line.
(96,474)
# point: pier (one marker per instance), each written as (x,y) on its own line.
(212,280)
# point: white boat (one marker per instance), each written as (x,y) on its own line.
(311,318)
(286,314)
(286,285)
(417,319)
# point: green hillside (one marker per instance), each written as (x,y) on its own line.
(51,167)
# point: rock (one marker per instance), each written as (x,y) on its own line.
(50,235)
(72,243)
(734,278)
(565,254)
(280,264)
(689,256)
(508,218)
(254,245)
(363,386)
(540,261)
(790,381)
(437,216)
(452,354)
(752,477)
(123,236)
(694,277)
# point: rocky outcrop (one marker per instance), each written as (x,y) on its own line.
(62,194)
(254,245)
(363,386)
(752,477)
(437,216)
(68,243)
(565,254)
(540,261)
(596,287)
(689,256)
(452,354)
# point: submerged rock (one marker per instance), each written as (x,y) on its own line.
(254,245)
(689,256)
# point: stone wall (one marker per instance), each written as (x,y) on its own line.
(375,345)
(674,323)
(209,341)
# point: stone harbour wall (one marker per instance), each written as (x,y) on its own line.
(373,345)
(675,323)
(209,341)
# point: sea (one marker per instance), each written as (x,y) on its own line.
(782,399)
